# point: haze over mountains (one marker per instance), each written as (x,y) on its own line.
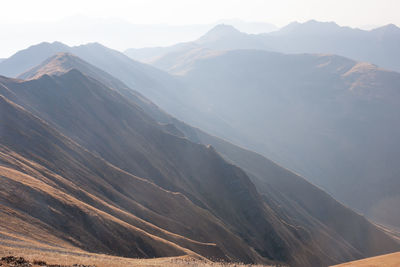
(113,32)
(329,118)
(326,121)
(90,147)
(378,46)
(98,151)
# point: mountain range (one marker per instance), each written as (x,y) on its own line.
(329,118)
(90,162)
(113,32)
(378,46)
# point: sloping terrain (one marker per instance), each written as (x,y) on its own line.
(137,76)
(340,121)
(323,122)
(390,260)
(137,146)
(115,142)
(163,89)
(334,121)
(260,170)
(140,148)
(221,189)
(85,209)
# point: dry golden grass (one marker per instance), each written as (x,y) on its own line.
(388,260)
(70,257)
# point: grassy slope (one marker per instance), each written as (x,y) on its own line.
(389,260)
(290,195)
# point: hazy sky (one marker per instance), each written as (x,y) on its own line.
(279,12)
(26,22)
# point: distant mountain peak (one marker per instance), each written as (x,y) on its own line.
(49,44)
(218,32)
(224,28)
(389,28)
(311,26)
(93,44)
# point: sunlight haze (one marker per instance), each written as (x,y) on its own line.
(144,23)
(347,12)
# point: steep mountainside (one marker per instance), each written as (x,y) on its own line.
(114,62)
(331,113)
(61,63)
(163,89)
(284,195)
(123,135)
(329,118)
(53,185)
(83,170)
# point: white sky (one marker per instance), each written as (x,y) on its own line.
(278,12)
(26,22)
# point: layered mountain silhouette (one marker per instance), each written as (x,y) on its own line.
(75,140)
(347,132)
(163,89)
(221,37)
(378,46)
(329,118)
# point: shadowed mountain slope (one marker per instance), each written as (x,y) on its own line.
(138,146)
(163,89)
(84,209)
(87,207)
(138,76)
(348,81)
(61,63)
(329,118)
(318,232)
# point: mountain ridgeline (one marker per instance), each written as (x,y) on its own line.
(330,118)
(378,46)
(88,161)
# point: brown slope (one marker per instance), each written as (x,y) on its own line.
(389,260)
(61,63)
(299,204)
(27,194)
(163,89)
(84,208)
(303,202)
(231,245)
(175,163)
